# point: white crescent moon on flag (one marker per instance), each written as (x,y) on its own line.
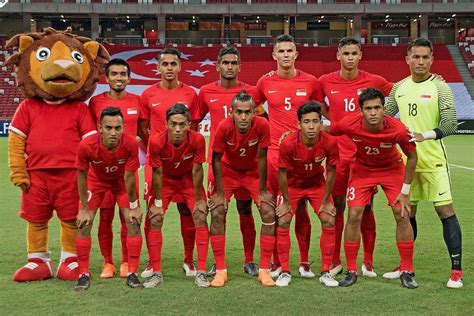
(131,53)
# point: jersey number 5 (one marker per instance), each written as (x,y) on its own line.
(287,103)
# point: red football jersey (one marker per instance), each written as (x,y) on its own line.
(155,101)
(284,96)
(375,150)
(129,105)
(52,132)
(176,161)
(108,165)
(342,98)
(216,100)
(304,163)
(240,150)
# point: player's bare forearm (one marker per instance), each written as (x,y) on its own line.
(198,177)
(130,185)
(330,179)
(325,111)
(143,130)
(157,182)
(82,188)
(410,167)
(262,168)
(217,169)
(194,125)
(283,182)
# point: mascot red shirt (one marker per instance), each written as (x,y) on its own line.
(56,72)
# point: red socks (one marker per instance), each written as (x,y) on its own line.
(83,247)
(134,244)
(188,234)
(247,227)
(326,244)
(339,226)
(405,249)
(351,250)
(283,244)
(105,233)
(303,234)
(367,230)
(267,244)
(123,238)
(218,249)
(202,245)
(154,244)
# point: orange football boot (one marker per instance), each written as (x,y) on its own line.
(265,278)
(108,271)
(220,279)
(123,269)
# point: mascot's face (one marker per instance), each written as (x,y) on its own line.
(54,66)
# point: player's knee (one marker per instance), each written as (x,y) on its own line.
(218,216)
(184,210)
(244,207)
(156,222)
(444,211)
(199,219)
(285,221)
(327,220)
(84,231)
(134,230)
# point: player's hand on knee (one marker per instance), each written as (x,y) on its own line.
(283,209)
(217,200)
(328,208)
(153,211)
(135,216)
(83,218)
(266,197)
(404,201)
(200,206)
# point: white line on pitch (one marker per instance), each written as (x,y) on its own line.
(462,167)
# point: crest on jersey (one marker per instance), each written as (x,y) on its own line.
(301,92)
(132,111)
(425,98)
(319,159)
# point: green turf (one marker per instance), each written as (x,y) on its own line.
(243,294)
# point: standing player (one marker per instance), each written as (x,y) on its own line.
(176,156)
(378,162)
(107,163)
(301,177)
(426,106)
(342,89)
(215,98)
(285,90)
(117,74)
(155,101)
(239,161)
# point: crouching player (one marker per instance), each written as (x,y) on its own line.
(301,178)
(176,156)
(378,162)
(239,162)
(107,163)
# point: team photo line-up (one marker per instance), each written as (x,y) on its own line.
(281,158)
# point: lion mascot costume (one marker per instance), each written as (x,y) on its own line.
(56,72)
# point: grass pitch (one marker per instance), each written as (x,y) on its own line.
(243,294)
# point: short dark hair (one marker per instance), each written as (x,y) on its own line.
(348,41)
(285,38)
(242,96)
(178,108)
(420,42)
(309,107)
(110,111)
(171,51)
(370,94)
(228,51)
(117,61)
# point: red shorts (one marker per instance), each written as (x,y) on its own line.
(54,189)
(98,190)
(243,185)
(178,190)
(342,177)
(314,195)
(109,199)
(363,183)
(272,172)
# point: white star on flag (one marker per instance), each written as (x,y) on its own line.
(157,71)
(152,61)
(207,62)
(185,56)
(196,73)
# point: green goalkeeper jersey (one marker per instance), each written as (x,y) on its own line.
(424,106)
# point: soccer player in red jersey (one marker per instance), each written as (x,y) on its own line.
(285,90)
(239,160)
(342,89)
(117,74)
(301,177)
(176,156)
(155,101)
(378,162)
(215,98)
(107,163)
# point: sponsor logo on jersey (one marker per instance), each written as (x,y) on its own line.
(132,111)
(300,92)
(272,91)
(359,91)
(296,158)
(213,100)
(188,156)
(334,92)
(165,158)
(386,145)
(319,159)
(155,104)
(357,140)
(100,161)
(122,161)
(425,98)
(229,143)
(253,142)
